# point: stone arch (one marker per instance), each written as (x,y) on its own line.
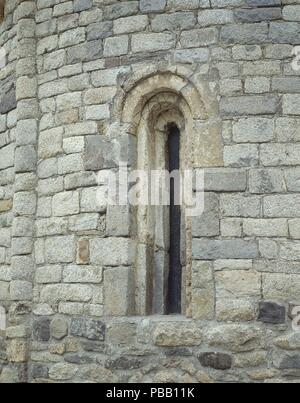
(167,82)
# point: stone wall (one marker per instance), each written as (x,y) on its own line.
(77,77)
(8,39)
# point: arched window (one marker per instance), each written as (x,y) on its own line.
(162,228)
(175,128)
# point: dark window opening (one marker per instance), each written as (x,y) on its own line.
(175,266)
(1,10)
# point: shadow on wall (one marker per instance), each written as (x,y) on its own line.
(2,2)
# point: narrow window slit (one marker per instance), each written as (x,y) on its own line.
(175,266)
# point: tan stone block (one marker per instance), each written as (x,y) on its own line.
(17,350)
(238,283)
(175,334)
(119,291)
(83,252)
(235,310)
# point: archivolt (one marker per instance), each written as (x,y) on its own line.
(186,92)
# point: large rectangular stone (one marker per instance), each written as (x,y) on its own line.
(266,181)
(199,37)
(292,178)
(253,130)
(119,291)
(286,85)
(279,286)
(249,105)
(112,251)
(265,228)
(7,156)
(241,155)
(152,42)
(291,13)
(130,24)
(260,14)
(60,249)
(225,180)
(294,227)
(288,129)
(240,205)
(289,250)
(285,32)
(278,154)
(208,224)
(215,17)
(234,284)
(291,104)
(207,249)
(282,206)
(82,274)
(245,33)
(66,203)
(125,8)
(53,294)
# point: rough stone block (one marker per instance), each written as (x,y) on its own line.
(60,249)
(238,284)
(205,249)
(112,251)
(151,6)
(249,105)
(262,181)
(176,334)
(41,330)
(269,312)
(225,180)
(253,130)
(217,361)
(119,291)
(87,328)
(152,42)
(208,224)
(240,205)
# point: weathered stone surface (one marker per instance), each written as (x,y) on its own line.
(111,251)
(203,294)
(216,361)
(228,249)
(17,351)
(8,101)
(235,310)
(177,334)
(238,337)
(225,180)
(208,224)
(118,291)
(237,284)
(249,105)
(86,85)
(123,363)
(58,328)
(53,294)
(289,342)
(88,328)
(270,312)
(41,330)
(289,362)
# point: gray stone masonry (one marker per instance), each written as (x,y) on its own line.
(87,84)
